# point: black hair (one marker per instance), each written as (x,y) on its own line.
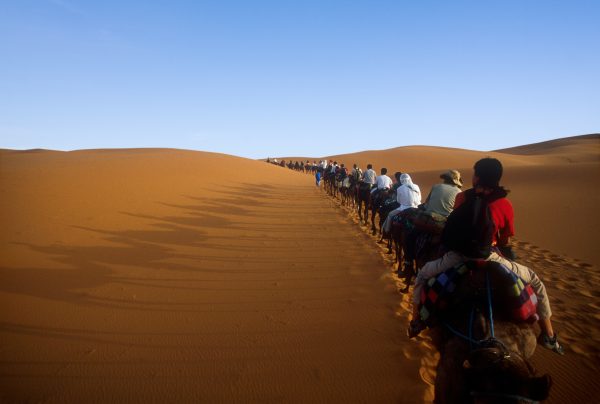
(383,171)
(369,166)
(489,172)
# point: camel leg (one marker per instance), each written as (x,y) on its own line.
(398,252)
(373,228)
(409,271)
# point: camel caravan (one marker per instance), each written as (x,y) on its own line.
(482,308)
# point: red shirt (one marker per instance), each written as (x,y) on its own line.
(503,217)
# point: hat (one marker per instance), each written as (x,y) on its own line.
(454,176)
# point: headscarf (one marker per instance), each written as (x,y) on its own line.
(406,180)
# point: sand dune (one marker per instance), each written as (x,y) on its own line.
(166,275)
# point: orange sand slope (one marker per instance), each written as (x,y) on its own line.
(553,186)
(175,276)
(168,275)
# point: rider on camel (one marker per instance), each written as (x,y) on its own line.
(486,184)
(441,198)
(369,176)
(383,182)
(356,174)
(408,196)
(397,184)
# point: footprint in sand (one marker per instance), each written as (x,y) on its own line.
(589,293)
(427,375)
(579,349)
(411,353)
(557,300)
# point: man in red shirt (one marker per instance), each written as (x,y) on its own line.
(486,184)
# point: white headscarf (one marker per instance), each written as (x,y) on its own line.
(406,180)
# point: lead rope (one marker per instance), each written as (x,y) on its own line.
(489,296)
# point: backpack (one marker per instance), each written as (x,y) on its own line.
(470,229)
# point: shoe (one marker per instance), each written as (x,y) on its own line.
(415,327)
(552,344)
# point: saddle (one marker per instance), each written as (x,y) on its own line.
(429,222)
(460,288)
(363,186)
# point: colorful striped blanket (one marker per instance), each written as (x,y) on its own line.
(464,284)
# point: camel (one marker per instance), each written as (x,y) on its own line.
(484,352)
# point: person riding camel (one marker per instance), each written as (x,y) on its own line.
(355,174)
(486,186)
(333,167)
(408,196)
(342,172)
(383,182)
(431,216)
(369,176)
(441,198)
(340,175)
(392,202)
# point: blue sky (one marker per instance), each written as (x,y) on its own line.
(270,78)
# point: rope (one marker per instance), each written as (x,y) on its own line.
(491,314)
(468,338)
(471,318)
(489,296)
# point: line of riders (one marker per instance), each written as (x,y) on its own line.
(415,230)
(301,166)
(445,242)
(418,232)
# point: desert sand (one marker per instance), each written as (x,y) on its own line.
(159,275)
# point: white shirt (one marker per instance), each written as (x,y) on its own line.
(383,182)
(369,176)
(407,197)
